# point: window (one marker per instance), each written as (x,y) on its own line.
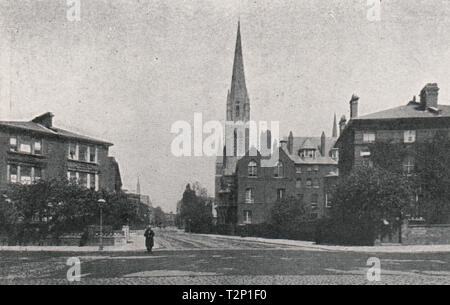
(278,170)
(82,153)
(37,174)
(25,147)
(237,111)
(252,169)
(334,154)
(408,165)
(365,152)
(83,179)
(409,136)
(13,174)
(72,175)
(72,151)
(37,147)
(298,183)
(25,174)
(308,182)
(316,168)
(307,153)
(327,200)
(369,137)
(316,183)
(314,200)
(13,144)
(247,217)
(92,181)
(280,193)
(367,162)
(249,196)
(298,170)
(92,154)
(309,169)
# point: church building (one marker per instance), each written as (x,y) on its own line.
(245,191)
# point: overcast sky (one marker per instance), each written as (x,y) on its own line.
(129,69)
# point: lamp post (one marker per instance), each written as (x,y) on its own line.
(100,203)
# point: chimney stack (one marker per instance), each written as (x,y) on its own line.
(322,144)
(342,124)
(354,106)
(283,144)
(429,96)
(290,144)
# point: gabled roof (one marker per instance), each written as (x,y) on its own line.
(312,143)
(41,129)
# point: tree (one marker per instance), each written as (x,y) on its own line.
(287,215)
(159,217)
(371,197)
(196,209)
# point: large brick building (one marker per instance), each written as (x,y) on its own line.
(33,150)
(245,191)
(415,122)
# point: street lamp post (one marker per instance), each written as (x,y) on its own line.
(100,203)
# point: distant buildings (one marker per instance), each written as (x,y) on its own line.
(36,149)
(245,191)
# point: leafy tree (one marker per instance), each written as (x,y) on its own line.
(196,209)
(431,179)
(159,218)
(288,214)
(371,197)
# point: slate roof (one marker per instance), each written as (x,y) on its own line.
(309,143)
(39,128)
(411,110)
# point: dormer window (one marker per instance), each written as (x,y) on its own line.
(307,153)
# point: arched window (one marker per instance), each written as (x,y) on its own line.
(252,169)
(278,170)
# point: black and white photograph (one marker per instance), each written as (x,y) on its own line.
(210,144)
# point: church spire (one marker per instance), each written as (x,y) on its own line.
(334,134)
(238,94)
(138,187)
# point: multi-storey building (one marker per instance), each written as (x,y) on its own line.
(33,150)
(416,122)
(245,190)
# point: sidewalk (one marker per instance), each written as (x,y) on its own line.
(311,246)
(137,243)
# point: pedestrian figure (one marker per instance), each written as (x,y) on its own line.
(149,234)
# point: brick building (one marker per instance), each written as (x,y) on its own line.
(415,122)
(36,149)
(245,191)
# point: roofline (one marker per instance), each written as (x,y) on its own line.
(54,134)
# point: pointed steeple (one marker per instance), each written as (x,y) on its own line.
(138,187)
(334,134)
(238,93)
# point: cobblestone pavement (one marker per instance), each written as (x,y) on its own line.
(192,259)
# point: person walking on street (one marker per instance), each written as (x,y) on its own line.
(149,234)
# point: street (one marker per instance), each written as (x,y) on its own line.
(183,258)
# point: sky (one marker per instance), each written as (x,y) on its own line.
(128,70)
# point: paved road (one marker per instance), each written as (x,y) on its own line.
(182,258)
